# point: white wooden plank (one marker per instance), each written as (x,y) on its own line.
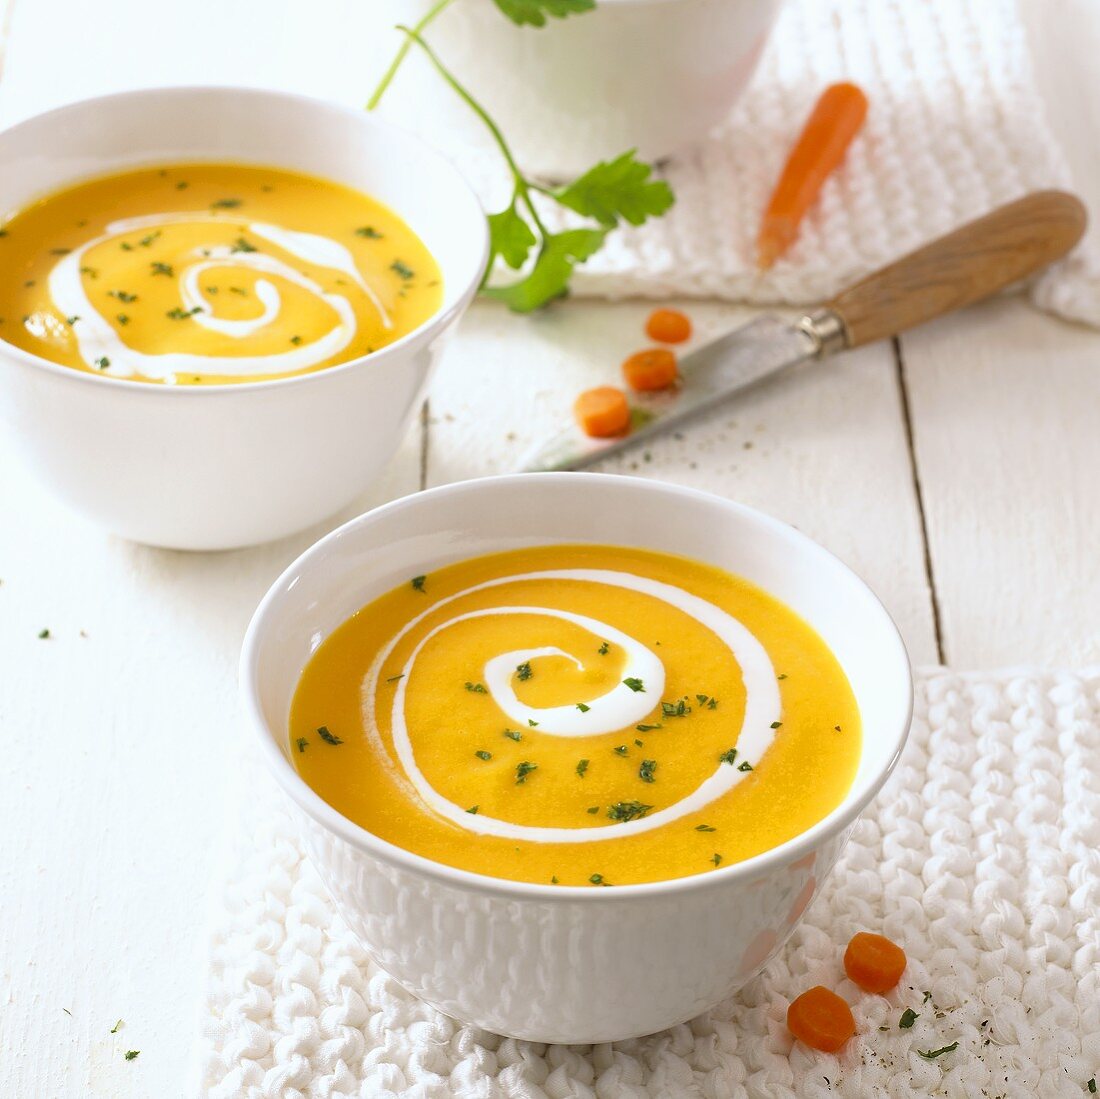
(1004,405)
(119,741)
(824,449)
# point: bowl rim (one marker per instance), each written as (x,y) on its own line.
(423,333)
(279,765)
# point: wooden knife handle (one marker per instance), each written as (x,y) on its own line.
(971,263)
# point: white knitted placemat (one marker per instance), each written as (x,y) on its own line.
(981,857)
(956,126)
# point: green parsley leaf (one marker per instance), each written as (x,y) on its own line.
(604,649)
(596,879)
(533,13)
(132,1053)
(621,750)
(473,809)
(302,743)
(746,766)
(225,204)
(619,188)
(162,269)
(482,754)
(582,766)
(623,811)
(402,270)
(328,737)
(908,1018)
(369,232)
(705,828)
(103,362)
(477,688)
(523,770)
(647,728)
(533,724)
(593,809)
(583,707)
(716,859)
(115,1029)
(645,772)
(634,684)
(523,671)
(549,277)
(242,245)
(932,1054)
(122,296)
(43,635)
(418,582)
(775,725)
(512,734)
(395,678)
(728,756)
(510,237)
(1092,1086)
(675,709)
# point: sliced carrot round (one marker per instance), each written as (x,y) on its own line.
(668,326)
(654,368)
(602,412)
(821,1019)
(873,962)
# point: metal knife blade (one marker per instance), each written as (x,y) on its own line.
(709,376)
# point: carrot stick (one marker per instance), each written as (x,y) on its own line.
(602,412)
(654,368)
(821,1019)
(873,962)
(835,120)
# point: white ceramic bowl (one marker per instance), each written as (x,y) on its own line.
(550,963)
(212,467)
(655,75)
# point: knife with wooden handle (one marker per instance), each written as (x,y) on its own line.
(973,262)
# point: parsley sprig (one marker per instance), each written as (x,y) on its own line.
(609,193)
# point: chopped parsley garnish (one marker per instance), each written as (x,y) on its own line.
(782,675)
(181,185)
(91,272)
(582,766)
(147,240)
(178,314)
(242,245)
(103,362)
(746,766)
(513,734)
(225,204)
(482,754)
(328,737)
(728,756)
(295,340)
(705,828)
(523,671)
(908,1018)
(932,1054)
(583,708)
(162,269)
(604,649)
(369,232)
(639,743)
(533,724)
(1092,1086)
(523,770)
(122,296)
(675,709)
(60,251)
(647,728)
(837,728)
(596,879)
(775,724)
(403,270)
(43,635)
(115,1029)
(122,318)
(418,582)
(70,321)
(132,1053)
(593,809)
(623,811)
(645,772)
(716,859)
(239,290)
(395,678)
(621,750)
(553,879)
(473,809)
(634,684)
(477,688)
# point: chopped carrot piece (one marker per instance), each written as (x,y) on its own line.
(654,368)
(835,120)
(602,412)
(668,326)
(873,962)
(821,1019)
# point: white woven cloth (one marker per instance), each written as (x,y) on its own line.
(981,857)
(956,126)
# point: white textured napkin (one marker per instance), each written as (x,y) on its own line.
(956,126)
(981,857)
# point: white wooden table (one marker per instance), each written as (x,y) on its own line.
(958,471)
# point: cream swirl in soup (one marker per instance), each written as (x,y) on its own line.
(573,713)
(211,273)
